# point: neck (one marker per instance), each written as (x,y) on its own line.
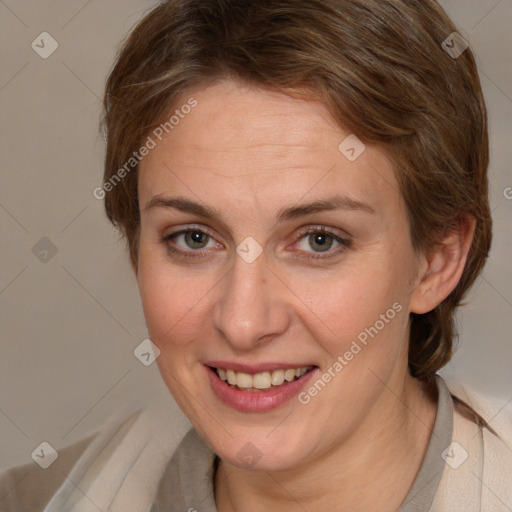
(376,465)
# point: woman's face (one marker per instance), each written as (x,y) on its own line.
(237,273)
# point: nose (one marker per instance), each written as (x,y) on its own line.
(251,308)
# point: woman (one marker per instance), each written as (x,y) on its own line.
(303,189)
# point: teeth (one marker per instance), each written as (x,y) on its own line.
(277,377)
(231,376)
(243,380)
(289,375)
(263,380)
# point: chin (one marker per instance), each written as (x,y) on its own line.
(258,451)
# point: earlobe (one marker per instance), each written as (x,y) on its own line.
(443,268)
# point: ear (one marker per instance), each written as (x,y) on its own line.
(442,267)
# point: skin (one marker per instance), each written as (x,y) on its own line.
(248,153)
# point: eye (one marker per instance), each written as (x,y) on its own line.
(191,242)
(193,239)
(322,240)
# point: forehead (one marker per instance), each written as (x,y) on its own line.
(253,142)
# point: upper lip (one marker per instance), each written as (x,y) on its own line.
(256,367)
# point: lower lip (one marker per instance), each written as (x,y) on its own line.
(257,401)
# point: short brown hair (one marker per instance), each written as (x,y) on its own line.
(378,65)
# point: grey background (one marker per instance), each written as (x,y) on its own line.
(69,324)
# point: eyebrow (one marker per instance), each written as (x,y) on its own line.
(337,202)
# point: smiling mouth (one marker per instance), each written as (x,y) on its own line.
(263,381)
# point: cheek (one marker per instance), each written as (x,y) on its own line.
(363,332)
(168,299)
(364,306)
(171,305)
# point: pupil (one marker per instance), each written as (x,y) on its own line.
(195,237)
(319,239)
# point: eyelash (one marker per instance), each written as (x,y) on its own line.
(344,243)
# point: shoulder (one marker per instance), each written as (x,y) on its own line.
(496,411)
(480,473)
(121,463)
(29,488)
